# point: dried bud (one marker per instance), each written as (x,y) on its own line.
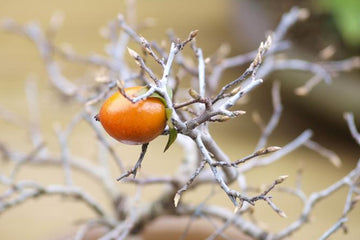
(238,113)
(238,207)
(304,14)
(222,118)
(235,91)
(177,199)
(281,179)
(301,91)
(282,214)
(133,53)
(194,94)
(143,40)
(267,150)
(120,17)
(272,149)
(327,52)
(258,59)
(268,42)
(335,160)
(193,33)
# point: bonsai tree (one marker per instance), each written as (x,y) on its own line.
(165,72)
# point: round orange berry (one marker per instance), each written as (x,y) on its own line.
(133,123)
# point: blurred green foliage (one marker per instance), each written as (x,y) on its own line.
(346,14)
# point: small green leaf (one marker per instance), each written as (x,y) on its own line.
(168,113)
(157,95)
(172,130)
(171,139)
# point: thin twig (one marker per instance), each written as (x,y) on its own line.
(137,166)
(296,143)
(188,183)
(332,156)
(349,117)
(316,197)
(37,190)
(247,158)
(274,120)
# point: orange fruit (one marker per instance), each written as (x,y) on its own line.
(132,123)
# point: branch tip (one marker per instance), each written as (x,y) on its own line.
(304,14)
(282,214)
(193,33)
(281,179)
(267,150)
(237,209)
(120,17)
(133,53)
(177,199)
(235,91)
(194,94)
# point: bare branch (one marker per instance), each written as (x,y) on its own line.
(308,86)
(251,70)
(334,228)
(188,183)
(137,166)
(65,154)
(203,159)
(140,62)
(296,143)
(288,20)
(251,156)
(333,158)
(28,190)
(316,197)
(296,64)
(349,117)
(274,120)
(146,45)
(104,142)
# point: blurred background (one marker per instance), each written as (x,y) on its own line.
(240,23)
